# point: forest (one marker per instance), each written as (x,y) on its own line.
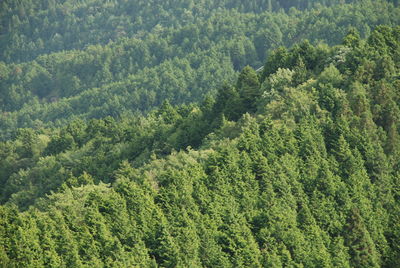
(187,133)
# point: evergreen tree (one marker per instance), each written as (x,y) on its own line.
(248,86)
(362,249)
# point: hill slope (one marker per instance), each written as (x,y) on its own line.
(94,58)
(297,166)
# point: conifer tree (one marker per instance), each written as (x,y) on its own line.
(361,247)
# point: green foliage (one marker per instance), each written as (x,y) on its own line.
(93,59)
(296,166)
(248,87)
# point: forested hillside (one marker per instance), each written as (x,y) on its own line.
(295,167)
(30,28)
(139,133)
(103,70)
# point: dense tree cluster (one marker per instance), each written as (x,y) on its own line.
(29,28)
(297,166)
(67,60)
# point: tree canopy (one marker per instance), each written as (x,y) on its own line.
(168,146)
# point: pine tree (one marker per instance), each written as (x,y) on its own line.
(361,247)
